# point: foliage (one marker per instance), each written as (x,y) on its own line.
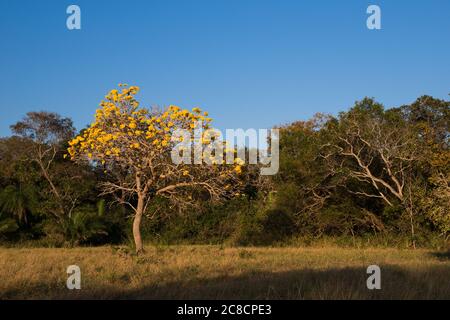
(139,142)
(369,173)
(368,170)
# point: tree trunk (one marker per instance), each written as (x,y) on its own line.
(137,226)
(53,189)
(410,209)
(413,234)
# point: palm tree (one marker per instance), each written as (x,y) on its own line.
(17,202)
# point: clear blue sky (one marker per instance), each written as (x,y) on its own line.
(250,63)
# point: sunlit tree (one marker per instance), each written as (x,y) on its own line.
(139,142)
(380,150)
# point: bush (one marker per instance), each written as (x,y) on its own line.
(86,226)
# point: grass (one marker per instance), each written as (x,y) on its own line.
(215,272)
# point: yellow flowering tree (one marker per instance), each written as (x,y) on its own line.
(138,142)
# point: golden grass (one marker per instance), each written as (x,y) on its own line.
(214,272)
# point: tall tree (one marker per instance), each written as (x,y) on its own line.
(379,149)
(431,120)
(48,133)
(140,142)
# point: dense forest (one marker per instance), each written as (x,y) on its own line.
(368,174)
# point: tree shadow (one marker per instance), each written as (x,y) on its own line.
(348,283)
(442,255)
(334,283)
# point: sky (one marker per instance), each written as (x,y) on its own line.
(249,63)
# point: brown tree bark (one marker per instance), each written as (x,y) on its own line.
(137,226)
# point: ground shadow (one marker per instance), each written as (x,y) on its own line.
(347,283)
(442,255)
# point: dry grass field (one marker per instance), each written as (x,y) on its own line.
(214,272)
